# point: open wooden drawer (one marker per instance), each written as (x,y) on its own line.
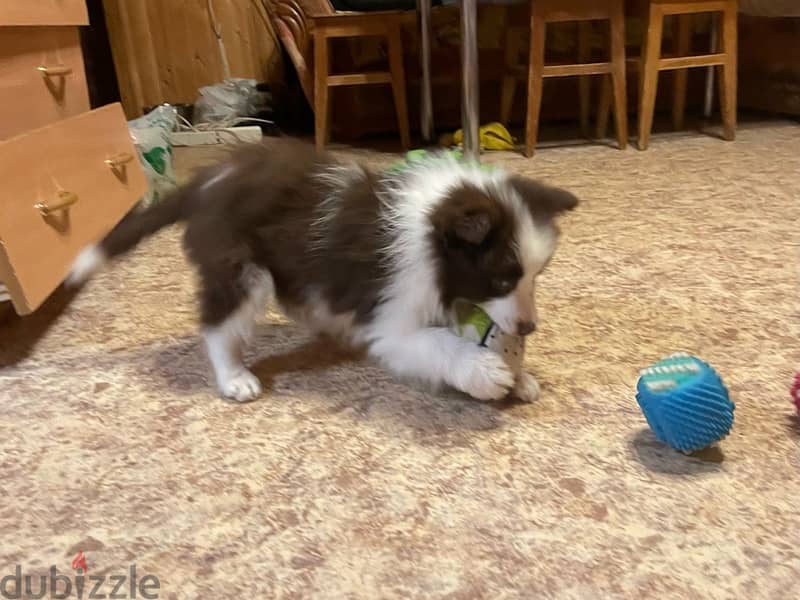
(61,187)
(43,12)
(42,77)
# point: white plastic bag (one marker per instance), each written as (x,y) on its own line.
(226,101)
(150,134)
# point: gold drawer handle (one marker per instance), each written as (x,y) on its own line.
(65,200)
(55,70)
(119,160)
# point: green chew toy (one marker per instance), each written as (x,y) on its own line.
(472,323)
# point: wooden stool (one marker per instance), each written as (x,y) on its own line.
(582,11)
(513,44)
(652,62)
(383,24)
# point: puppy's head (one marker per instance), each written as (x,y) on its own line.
(492,239)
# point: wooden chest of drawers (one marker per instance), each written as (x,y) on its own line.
(68,174)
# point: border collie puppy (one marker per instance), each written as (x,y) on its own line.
(377,260)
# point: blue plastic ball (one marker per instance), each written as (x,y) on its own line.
(685,402)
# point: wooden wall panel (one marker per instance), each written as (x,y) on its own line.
(164,50)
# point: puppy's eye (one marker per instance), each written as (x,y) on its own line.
(503,285)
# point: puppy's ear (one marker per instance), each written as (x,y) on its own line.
(472,227)
(543,200)
(466,216)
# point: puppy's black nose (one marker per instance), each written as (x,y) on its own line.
(526,327)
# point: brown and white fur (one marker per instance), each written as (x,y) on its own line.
(376,260)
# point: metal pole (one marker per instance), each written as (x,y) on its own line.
(469,75)
(426,105)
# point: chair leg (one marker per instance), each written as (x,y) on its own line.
(648,74)
(321,103)
(618,76)
(682,41)
(604,107)
(727,79)
(507,94)
(399,84)
(509,88)
(535,80)
(585,82)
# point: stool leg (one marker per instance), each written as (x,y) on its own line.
(510,78)
(682,39)
(399,84)
(321,104)
(535,80)
(708,100)
(604,107)
(727,80)
(648,73)
(618,76)
(584,82)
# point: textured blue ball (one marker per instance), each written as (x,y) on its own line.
(685,402)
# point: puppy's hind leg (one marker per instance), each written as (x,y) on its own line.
(230,306)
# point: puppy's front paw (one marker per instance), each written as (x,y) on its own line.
(526,388)
(243,386)
(485,375)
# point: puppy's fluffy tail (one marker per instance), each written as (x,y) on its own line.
(135,227)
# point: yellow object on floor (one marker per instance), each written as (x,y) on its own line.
(492,136)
